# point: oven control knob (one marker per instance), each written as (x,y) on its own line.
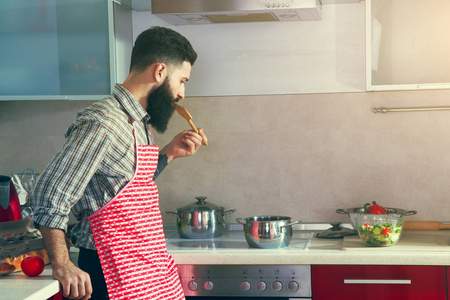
(245,285)
(208,285)
(261,286)
(192,285)
(277,286)
(293,286)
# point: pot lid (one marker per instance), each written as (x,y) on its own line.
(335,232)
(200,205)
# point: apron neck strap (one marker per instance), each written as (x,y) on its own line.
(146,126)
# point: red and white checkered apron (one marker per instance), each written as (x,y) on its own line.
(129,237)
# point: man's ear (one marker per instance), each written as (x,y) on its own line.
(160,72)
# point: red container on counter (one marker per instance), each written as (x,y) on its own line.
(9,201)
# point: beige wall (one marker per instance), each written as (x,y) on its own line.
(296,155)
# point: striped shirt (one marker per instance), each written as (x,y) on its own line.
(96,161)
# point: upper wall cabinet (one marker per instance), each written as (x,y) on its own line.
(407,44)
(61,49)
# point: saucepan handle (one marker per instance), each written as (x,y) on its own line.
(290,224)
(409,213)
(241,221)
(228,212)
(172,213)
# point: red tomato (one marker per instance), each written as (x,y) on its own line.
(374,208)
(32,266)
(385,231)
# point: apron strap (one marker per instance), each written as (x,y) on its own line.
(146,126)
(147,129)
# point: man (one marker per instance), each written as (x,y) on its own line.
(104,173)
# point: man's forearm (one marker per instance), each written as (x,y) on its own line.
(55,243)
(76,283)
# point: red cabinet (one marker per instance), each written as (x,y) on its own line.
(448,282)
(378,282)
(57,296)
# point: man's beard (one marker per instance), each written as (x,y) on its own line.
(160,106)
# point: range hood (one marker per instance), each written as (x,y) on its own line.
(198,12)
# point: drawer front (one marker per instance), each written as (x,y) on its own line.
(378,282)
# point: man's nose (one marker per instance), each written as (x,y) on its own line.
(181,93)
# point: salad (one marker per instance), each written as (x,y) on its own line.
(382,233)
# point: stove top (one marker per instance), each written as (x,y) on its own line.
(253,281)
(232,239)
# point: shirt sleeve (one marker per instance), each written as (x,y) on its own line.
(64,180)
(162,164)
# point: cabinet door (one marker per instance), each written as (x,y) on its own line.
(378,282)
(448,282)
(56,49)
(407,45)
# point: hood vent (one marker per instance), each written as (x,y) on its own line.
(198,12)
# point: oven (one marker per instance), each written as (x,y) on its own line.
(242,281)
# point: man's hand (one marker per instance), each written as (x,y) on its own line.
(76,283)
(185,143)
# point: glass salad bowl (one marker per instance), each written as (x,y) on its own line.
(379,230)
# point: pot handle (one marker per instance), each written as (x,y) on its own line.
(172,213)
(228,212)
(409,213)
(290,224)
(241,221)
(341,211)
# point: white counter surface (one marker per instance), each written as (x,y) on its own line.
(18,286)
(414,248)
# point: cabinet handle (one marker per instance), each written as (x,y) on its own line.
(377,281)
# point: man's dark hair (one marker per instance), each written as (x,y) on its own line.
(160,45)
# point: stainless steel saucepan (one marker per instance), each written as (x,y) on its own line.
(201,220)
(267,232)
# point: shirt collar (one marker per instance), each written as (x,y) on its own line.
(130,104)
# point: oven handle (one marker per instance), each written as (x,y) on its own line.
(377,281)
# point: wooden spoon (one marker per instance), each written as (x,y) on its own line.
(185,114)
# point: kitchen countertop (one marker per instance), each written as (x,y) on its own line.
(18,286)
(414,248)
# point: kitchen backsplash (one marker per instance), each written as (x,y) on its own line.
(302,156)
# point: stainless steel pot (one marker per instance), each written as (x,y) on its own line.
(267,232)
(201,220)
